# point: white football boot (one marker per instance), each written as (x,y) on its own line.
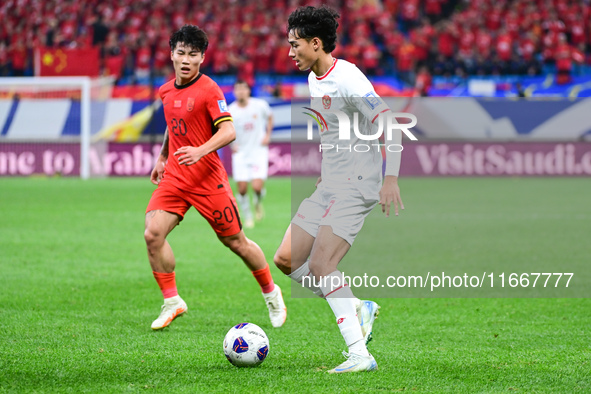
(249,223)
(277,309)
(173,307)
(356,363)
(367,313)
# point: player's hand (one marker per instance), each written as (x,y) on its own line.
(318,181)
(390,193)
(266,140)
(188,155)
(157,172)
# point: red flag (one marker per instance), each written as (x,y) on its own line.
(52,62)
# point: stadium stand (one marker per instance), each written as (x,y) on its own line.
(441,38)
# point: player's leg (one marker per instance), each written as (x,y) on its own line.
(260,170)
(244,204)
(221,213)
(258,187)
(241,174)
(292,255)
(328,250)
(158,225)
(254,258)
(293,260)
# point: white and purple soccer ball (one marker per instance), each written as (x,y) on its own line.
(246,345)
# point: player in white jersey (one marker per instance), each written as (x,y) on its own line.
(350,185)
(253,121)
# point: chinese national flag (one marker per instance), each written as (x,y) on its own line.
(61,62)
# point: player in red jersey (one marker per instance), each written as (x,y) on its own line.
(189,172)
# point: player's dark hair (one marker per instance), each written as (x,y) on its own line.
(309,22)
(190,35)
(240,81)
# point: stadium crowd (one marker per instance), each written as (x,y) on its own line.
(383,37)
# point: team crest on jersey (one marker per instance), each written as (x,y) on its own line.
(190,104)
(222,105)
(326,101)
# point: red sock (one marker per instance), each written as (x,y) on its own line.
(167,283)
(263,276)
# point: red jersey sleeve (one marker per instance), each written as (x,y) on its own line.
(217,106)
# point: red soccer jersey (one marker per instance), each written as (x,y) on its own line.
(192,113)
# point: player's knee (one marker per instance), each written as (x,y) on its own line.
(153,238)
(282,261)
(238,245)
(317,270)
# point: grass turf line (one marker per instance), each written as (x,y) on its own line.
(78,298)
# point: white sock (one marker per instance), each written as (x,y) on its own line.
(343,304)
(244,205)
(258,198)
(302,277)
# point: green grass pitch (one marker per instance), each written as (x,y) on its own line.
(77,296)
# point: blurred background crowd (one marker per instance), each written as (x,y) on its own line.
(409,39)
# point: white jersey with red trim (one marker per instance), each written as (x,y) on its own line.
(250,122)
(344,162)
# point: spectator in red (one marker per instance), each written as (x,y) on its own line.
(504,46)
(564,64)
(353,50)
(420,40)
(4,60)
(483,41)
(370,57)
(423,82)
(162,58)
(446,40)
(526,50)
(433,10)
(143,57)
(406,62)
(409,14)
(393,41)
(18,56)
(220,60)
(553,24)
(577,31)
(494,17)
(512,23)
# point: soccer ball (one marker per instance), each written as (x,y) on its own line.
(246,345)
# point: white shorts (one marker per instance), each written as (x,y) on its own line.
(343,210)
(249,165)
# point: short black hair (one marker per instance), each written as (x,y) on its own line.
(241,81)
(309,22)
(190,35)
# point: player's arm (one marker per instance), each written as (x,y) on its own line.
(372,105)
(390,192)
(267,139)
(158,170)
(188,155)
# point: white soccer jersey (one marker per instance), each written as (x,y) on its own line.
(250,123)
(345,88)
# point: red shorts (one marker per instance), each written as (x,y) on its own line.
(218,209)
